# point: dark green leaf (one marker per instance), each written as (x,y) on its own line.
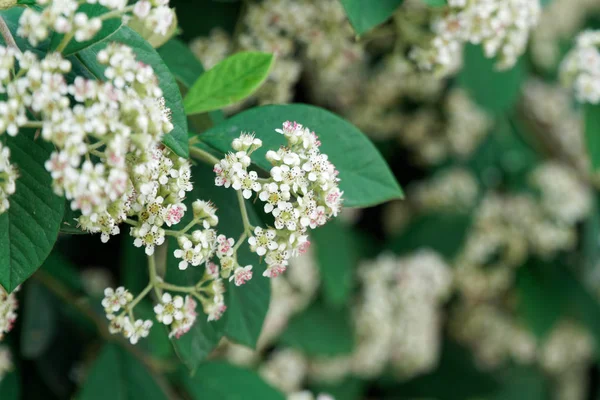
(364,15)
(456,378)
(228,82)
(336,257)
(62,270)
(221,381)
(109,27)
(117,375)
(435,3)
(496,91)
(182,63)
(444,233)
(523,383)
(30,227)
(541,298)
(39,320)
(177,139)
(348,389)
(365,177)
(319,331)
(592,133)
(10,387)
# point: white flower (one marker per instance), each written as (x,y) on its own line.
(115,300)
(241,275)
(169,309)
(262,240)
(137,330)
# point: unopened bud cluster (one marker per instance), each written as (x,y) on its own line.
(301,192)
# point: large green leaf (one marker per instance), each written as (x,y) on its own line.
(222,381)
(177,139)
(496,91)
(365,177)
(228,82)
(30,227)
(592,133)
(10,387)
(182,63)
(319,331)
(117,375)
(540,297)
(109,27)
(523,383)
(364,15)
(457,377)
(336,254)
(186,68)
(444,233)
(39,320)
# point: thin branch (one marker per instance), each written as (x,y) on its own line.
(8,37)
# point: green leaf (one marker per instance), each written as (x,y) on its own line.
(134,272)
(496,91)
(319,331)
(456,378)
(444,233)
(222,381)
(116,374)
(29,228)
(177,139)
(592,133)
(435,3)
(186,68)
(109,27)
(182,63)
(39,321)
(228,82)
(62,270)
(10,386)
(364,15)
(349,389)
(540,297)
(336,256)
(523,383)
(365,177)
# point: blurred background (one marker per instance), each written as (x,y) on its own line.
(484,283)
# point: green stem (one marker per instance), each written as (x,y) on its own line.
(189,226)
(247,226)
(240,241)
(140,296)
(116,13)
(203,156)
(176,288)
(33,124)
(65,41)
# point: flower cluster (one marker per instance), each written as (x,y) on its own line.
(67,17)
(300,193)
(580,68)
(120,299)
(500,26)
(8,176)
(8,310)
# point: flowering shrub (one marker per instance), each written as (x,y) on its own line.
(200,200)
